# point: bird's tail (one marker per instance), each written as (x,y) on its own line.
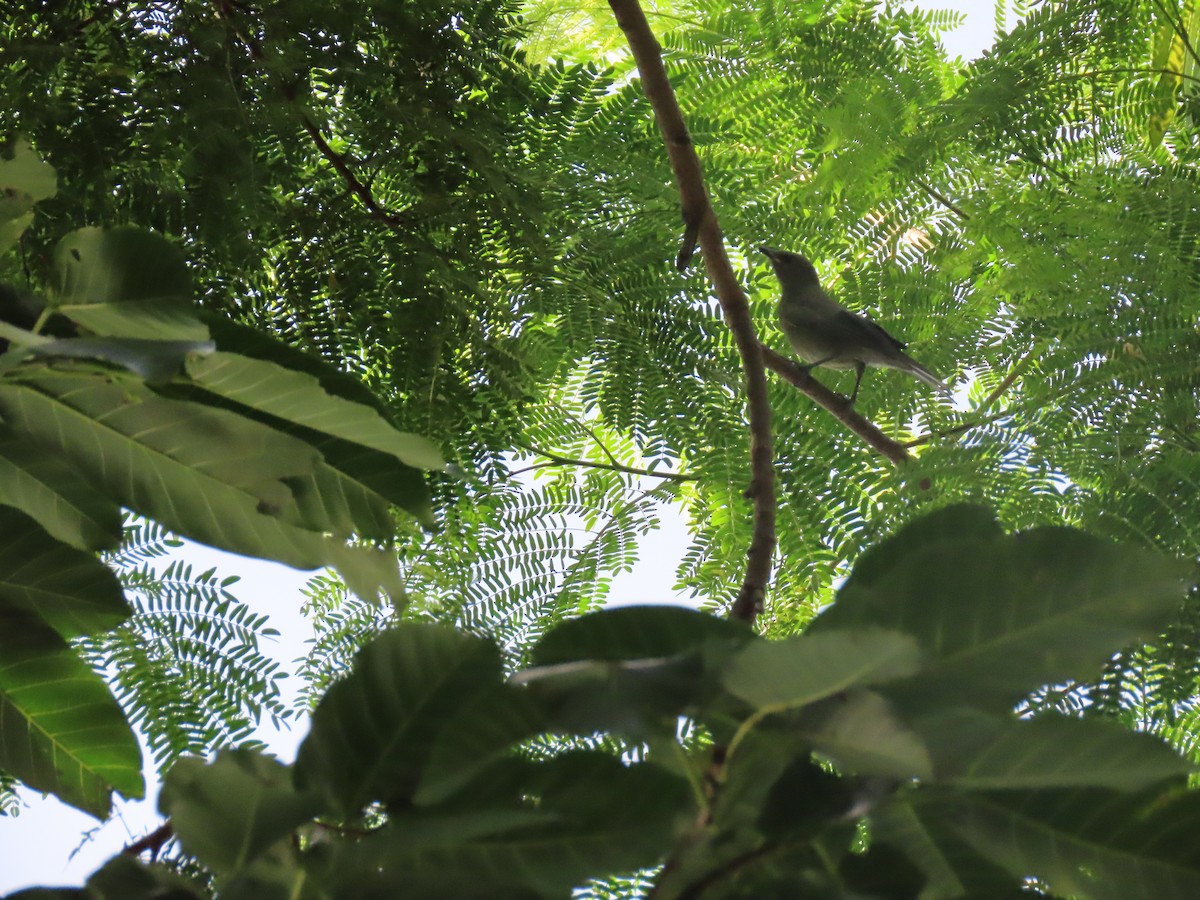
(917,370)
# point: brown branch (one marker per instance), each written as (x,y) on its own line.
(154,842)
(376,209)
(699,218)
(836,405)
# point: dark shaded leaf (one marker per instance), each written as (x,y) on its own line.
(373,732)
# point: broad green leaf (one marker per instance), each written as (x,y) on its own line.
(483,730)
(589,815)
(123,878)
(126,282)
(943,527)
(1172,59)
(977,752)
(68,589)
(203,473)
(46,487)
(750,779)
(951,867)
(796,671)
(24,172)
(360,470)
(234,337)
(634,632)
(229,811)
(1084,843)
(861,733)
(373,731)
(344,506)
(61,731)
(94,419)
(1169,50)
(298,397)
(998,618)
(25,179)
(638,698)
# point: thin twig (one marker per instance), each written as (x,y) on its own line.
(229,11)
(941,198)
(988,402)
(699,218)
(556,460)
(836,404)
(361,191)
(595,437)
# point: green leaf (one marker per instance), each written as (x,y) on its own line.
(998,618)
(591,816)
(797,671)
(123,878)
(233,337)
(483,730)
(951,867)
(62,730)
(1086,843)
(343,506)
(639,698)
(1171,60)
(70,590)
(861,733)
(373,731)
(204,473)
(117,425)
(634,632)
(126,282)
(63,501)
(366,472)
(227,812)
(298,397)
(974,751)
(943,528)
(25,179)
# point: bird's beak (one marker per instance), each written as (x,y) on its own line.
(770,252)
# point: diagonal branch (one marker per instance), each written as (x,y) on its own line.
(353,182)
(700,221)
(554,459)
(837,406)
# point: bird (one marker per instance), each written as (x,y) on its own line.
(825,333)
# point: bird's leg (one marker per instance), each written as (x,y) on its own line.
(858,375)
(807,368)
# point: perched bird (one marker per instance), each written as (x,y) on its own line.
(825,333)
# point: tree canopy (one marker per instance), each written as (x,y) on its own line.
(327,282)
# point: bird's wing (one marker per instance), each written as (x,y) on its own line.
(859,330)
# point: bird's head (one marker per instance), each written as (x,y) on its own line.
(790,268)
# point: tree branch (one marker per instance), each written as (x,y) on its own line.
(361,191)
(836,405)
(941,198)
(556,460)
(700,221)
(229,10)
(154,842)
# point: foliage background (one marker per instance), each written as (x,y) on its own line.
(487,243)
